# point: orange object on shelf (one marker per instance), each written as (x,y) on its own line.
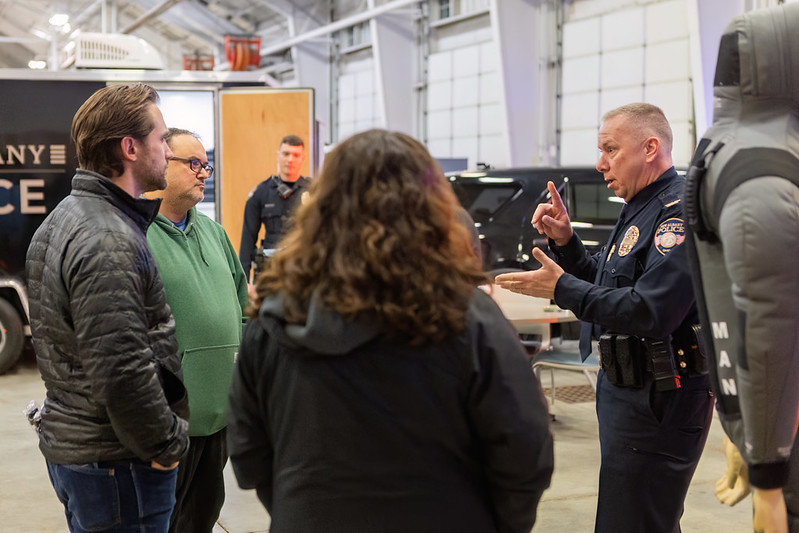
(242,51)
(198,62)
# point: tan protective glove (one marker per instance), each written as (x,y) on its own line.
(770,514)
(734,484)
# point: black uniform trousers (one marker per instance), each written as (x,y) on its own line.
(200,490)
(650,442)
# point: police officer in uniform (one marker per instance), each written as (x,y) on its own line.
(271,203)
(654,403)
(742,210)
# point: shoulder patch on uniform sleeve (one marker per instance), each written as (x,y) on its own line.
(252,192)
(669,234)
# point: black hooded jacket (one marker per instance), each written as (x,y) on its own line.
(341,430)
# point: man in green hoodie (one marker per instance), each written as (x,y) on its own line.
(207,291)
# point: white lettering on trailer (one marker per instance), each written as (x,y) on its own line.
(37,152)
(17,154)
(27,197)
(724,359)
(58,154)
(8,208)
(720,330)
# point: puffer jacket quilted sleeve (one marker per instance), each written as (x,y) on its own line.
(101,328)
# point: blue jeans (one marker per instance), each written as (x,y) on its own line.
(115,496)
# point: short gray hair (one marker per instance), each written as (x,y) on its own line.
(647,120)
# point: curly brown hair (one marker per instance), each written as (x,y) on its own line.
(378,235)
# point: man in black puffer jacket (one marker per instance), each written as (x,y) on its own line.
(113,426)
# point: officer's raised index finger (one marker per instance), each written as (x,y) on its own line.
(553,192)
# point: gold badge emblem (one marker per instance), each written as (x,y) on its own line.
(629,240)
(304,197)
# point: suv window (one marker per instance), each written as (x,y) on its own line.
(502,202)
(484,198)
(593,202)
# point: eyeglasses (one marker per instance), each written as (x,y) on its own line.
(195,165)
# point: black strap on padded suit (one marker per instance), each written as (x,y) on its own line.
(746,164)
(752,163)
(693,190)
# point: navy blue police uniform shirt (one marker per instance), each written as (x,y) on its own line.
(265,206)
(640,282)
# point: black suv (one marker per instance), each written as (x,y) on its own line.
(502,203)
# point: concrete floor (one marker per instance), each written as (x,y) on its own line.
(29,505)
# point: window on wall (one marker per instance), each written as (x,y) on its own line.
(444,9)
(457,8)
(354,36)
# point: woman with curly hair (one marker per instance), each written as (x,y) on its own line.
(377,389)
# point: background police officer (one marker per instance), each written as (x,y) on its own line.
(272,202)
(654,411)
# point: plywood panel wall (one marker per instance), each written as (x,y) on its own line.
(252,122)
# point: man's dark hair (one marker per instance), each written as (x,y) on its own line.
(109,115)
(292,140)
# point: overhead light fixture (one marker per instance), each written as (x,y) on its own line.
(59,19)
(37,64)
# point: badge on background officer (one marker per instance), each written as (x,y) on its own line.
(271,205)
(654,404)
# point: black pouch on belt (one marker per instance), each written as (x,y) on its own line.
(622,360)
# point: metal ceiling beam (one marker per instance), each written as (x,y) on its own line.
(336,26)
(87,13)
(21,40)
(154,12)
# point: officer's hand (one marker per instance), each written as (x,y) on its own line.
(733,486)
(552,220)
(539,283)
(770,514)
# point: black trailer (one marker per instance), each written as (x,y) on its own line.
(37,161)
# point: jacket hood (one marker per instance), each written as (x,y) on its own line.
(325,331)
(758,60)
